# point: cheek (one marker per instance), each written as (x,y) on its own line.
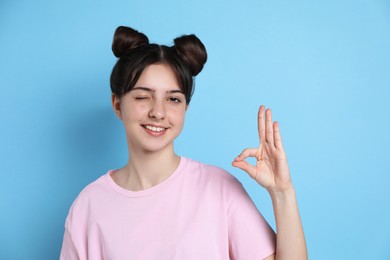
(177,115)
(181,117)
(133,113)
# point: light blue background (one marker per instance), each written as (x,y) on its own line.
(322,66)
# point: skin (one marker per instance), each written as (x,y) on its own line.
(157,100)
(272,173)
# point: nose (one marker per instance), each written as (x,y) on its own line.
(157,110)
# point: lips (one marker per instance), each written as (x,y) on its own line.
(155,130)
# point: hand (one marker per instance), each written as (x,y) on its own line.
(271,170)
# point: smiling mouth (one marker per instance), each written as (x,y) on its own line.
(156,129)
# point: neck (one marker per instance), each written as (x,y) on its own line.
(147,169)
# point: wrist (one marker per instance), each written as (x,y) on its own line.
(286,194)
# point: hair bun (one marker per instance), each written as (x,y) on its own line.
(192,51)
(126,39)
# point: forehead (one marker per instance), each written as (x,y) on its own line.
(158,77)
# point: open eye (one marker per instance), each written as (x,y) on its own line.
(174,99)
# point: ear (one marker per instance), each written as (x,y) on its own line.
(116,105)
(187,107)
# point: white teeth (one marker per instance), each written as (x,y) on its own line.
(154,128)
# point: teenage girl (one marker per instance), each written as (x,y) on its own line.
(164,206)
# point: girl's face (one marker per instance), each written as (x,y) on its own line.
(153,111)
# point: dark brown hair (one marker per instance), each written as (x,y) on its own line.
(186,58)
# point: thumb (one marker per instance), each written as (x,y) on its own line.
(245,166)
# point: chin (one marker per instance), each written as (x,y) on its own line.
(152,146)
(150,150)
(149,144)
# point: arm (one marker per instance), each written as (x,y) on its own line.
(272,172)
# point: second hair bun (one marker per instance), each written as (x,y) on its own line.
(192,51)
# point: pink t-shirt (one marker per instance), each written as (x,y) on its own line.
(199,212)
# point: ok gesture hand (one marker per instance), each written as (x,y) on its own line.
(271,170)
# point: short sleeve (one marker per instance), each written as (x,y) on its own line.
(74,244)
(68,250)
(250,236)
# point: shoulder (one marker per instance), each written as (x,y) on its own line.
(94,187)
(210,179)
(210,173)
(203,168)
(91,192)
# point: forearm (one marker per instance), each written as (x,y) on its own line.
(290,241)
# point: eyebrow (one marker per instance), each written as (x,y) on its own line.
(152,90)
